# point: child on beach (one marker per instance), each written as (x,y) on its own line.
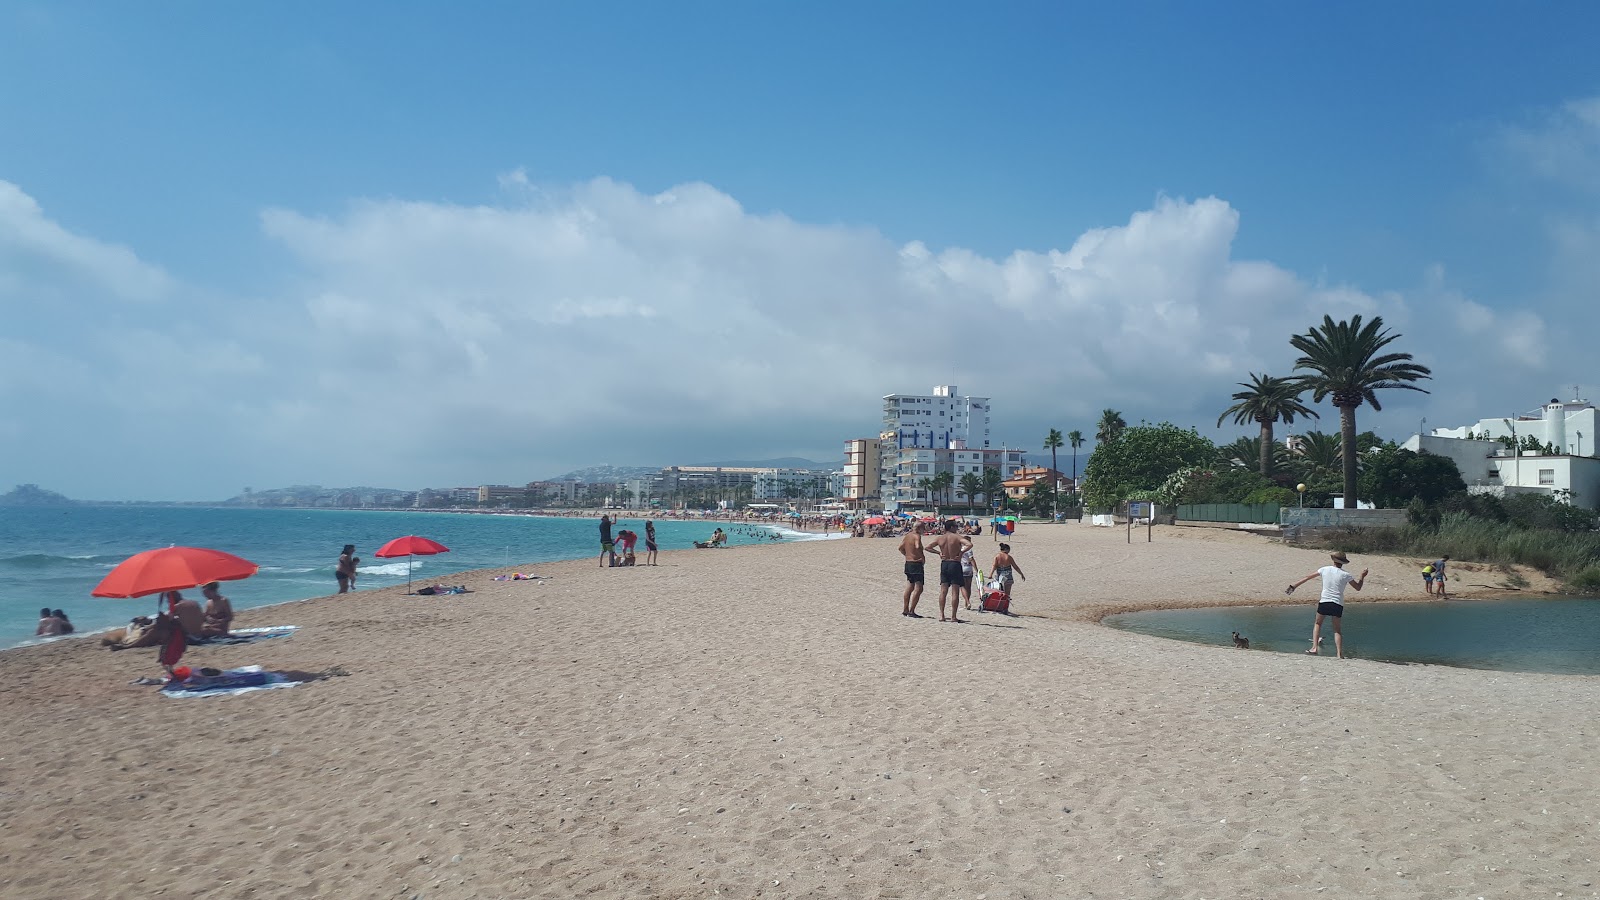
(1331,603)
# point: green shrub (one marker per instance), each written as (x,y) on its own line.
(1277,495)
(1586,581)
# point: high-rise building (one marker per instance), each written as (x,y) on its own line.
(862,462)
(926,434)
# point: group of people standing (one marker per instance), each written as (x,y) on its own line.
(618,550)
(957,570)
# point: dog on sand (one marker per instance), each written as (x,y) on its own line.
(1240,641)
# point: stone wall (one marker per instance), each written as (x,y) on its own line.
(1296,517)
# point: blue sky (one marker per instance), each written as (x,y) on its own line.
(410,244)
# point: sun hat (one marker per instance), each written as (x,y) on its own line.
(1338,556)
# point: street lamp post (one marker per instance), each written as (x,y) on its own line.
(1301,487)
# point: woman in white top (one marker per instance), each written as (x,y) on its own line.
(1331,603)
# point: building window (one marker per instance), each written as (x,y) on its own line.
(922,467)
(1547,476)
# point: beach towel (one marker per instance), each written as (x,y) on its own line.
(250,635)
(242,680)
(444,589)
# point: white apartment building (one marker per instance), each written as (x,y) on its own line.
(1488,466)
(920,437)
(913,465)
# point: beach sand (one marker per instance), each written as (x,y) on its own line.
(761,721)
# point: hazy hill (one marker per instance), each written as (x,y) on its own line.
(33,495)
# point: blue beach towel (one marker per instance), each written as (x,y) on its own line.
(232,681)
(250,635)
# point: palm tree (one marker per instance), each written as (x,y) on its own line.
(943,481)
(971,486)
(1053,442)
(1111,425)
(993,483)
(1318,454)
(927,485)
(1342,359)
(1266,400)
(1075,438)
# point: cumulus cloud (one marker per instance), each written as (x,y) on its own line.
(430,344)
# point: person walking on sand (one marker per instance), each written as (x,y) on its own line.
(1005,566)
(911,549)
(649,543)
(345,569)
(608,547)
(950,547)
(1331,603)
(1433,576)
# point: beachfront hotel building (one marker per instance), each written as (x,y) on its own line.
(1560,468)
(863,461)
(926,434)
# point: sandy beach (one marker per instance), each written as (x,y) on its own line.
(761,721)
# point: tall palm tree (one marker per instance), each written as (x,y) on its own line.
(1111,425)
(942,482)
(993,483)
(1053,442)
(1075,438)
(1343,359)
(1266,400)
(927,485)
(971,486)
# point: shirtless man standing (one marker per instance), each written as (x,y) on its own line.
(911,549)
(950,546)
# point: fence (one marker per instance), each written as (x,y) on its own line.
(1253,513)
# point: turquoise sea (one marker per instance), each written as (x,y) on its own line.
(55,556)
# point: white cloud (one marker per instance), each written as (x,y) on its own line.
(31,243)
(434,344)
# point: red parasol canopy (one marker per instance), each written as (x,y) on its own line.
(411,545)
(172,569)
(873,520)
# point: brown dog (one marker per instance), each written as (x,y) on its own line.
(1241,642)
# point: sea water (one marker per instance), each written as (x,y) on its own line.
(54,556)
(1557,635)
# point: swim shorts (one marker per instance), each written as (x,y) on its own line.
(607,546)
(914,572)
(1330,609)
(950,573)
(650,546)
(342,577)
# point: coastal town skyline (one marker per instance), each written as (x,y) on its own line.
(262,247)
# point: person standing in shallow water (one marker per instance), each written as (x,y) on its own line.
(1331,603)
(345,569)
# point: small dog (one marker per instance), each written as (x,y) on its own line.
(1240,641)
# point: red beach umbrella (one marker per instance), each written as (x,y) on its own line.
(410,546)
(172,569)
(873,520)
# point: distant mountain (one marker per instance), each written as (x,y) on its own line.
(606,474)
(782,462)
(33,495)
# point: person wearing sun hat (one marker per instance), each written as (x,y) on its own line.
(1331,603)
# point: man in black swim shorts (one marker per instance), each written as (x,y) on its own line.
(950,546)
(911,549)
